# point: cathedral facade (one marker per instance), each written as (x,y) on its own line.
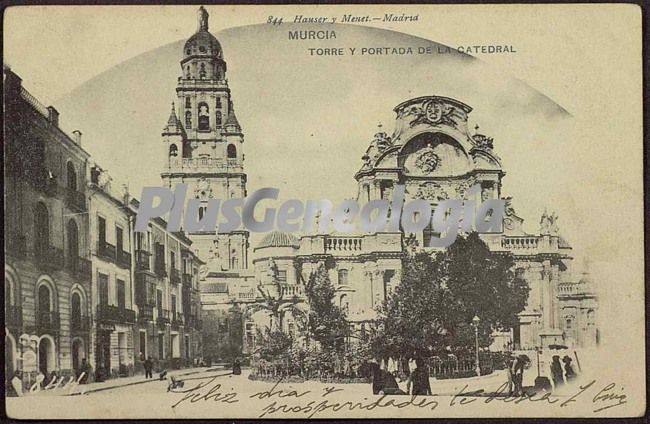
(432,152)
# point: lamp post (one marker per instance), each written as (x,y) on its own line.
(475,321)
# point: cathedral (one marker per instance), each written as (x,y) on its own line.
(431,151)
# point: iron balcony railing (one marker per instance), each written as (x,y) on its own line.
(174,276)
(163,316)
(49,256)
(142,260)
(145,313)
(106,250)
(124,259)
(111,313)
(75,199)
(79,324)
(48,320)
(13,316)
(81,267)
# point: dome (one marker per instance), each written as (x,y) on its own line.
(279,239)
(202,43)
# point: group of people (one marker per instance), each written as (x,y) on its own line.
(385,383)
(559,373)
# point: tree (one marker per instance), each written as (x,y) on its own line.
(433,306)
(327,322)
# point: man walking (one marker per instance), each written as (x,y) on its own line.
(148,367)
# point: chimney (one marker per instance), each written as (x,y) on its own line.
(77,136)
(53,115)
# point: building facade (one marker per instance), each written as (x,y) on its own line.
(47,263)
(80,283)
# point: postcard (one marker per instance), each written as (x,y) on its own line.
(332,211)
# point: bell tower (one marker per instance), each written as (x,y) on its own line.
(203,144)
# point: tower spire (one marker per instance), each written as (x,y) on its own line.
(203,19)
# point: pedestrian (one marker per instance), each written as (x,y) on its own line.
(419,379)
(383,382)
(519,364)
(17,383)
(236,367)
(148,368)
(568,369)
(556,372)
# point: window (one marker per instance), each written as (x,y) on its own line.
(202,73)
(119,240)
(343,277)
(73,241)
(172,259)
(218,118)
(173,150)
(101,229)
(75,308)
(121,294)
(218,105)
(188,119)
(71,177)
(44,304)
(188,103)
(173,306)
(204,117)
(159,301)
(232,151)
(103,289)
(41,228)
(282,276)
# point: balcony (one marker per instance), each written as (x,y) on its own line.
(145,313)
(106,250)
(75,199)
(79,324)
(187,280)
(13,316)
(111,313)
(124,259)
(142,260)
(163,316)
(174,276)
(81,267)
(49,256)
(178,319)
(48,321)
(17,245)
(159,268)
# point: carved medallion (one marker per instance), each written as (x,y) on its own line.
(427,160)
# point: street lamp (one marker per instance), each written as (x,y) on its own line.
(475,321)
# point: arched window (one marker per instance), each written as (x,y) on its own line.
(71,177)
(41,228)
(73,242)
(75,310)
(232,151)
(202,71)
(204,117)
(201,212)
(173,150)
(187,72)
(188,119)
(218,105)
(343,277)
(188,103)
(44,305)
(218,118)
(9,301)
